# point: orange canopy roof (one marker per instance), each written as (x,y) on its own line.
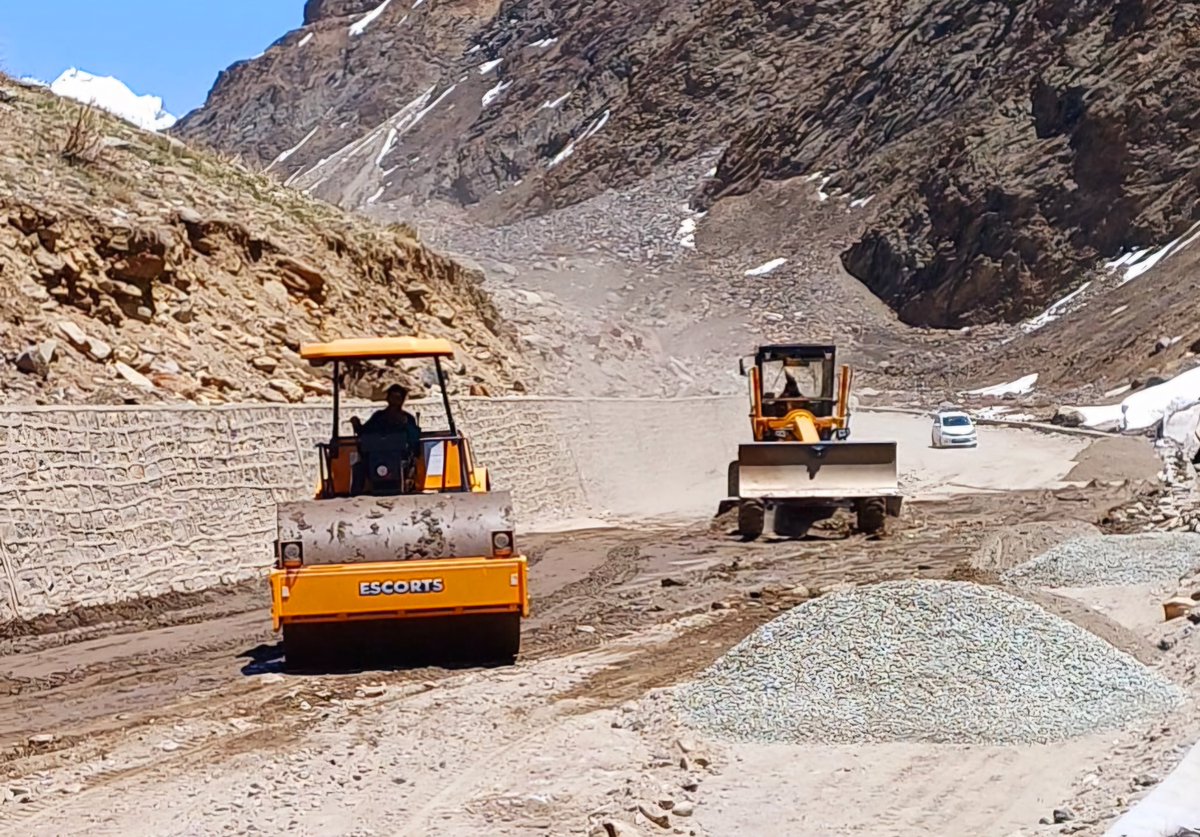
(376,348)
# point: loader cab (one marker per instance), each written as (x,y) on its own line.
(797,377)
(382,464)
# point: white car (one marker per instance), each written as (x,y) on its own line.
(953,429)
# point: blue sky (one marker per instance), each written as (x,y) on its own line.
(168,48)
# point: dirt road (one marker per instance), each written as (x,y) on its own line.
(1006,459)
(178,721)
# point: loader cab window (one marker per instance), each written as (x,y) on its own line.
(796,384)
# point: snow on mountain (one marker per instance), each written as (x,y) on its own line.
(112,95)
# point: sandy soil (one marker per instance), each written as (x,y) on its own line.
(179,721)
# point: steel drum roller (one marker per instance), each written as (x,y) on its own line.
(395,528)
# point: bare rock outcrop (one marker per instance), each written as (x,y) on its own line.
(1005,147)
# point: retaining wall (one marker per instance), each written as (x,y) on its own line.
(100,505)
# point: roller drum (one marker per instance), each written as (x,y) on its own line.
(395,528)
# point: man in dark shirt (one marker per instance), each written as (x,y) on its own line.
(394,422)
(392,419)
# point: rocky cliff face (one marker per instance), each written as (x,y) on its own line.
(137,269)
(1004,147)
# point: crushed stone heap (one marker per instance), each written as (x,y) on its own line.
(931,661)
(1111,561)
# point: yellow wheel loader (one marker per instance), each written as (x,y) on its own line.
(801,459)
(405,553)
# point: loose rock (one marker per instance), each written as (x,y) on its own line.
(1112,560)
(935,661)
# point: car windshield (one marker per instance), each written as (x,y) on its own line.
(955,421)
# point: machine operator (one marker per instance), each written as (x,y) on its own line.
(392,420)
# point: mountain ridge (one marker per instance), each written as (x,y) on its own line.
(522,107)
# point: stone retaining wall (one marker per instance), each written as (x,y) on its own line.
(100,505)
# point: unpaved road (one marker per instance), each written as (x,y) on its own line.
(1007,459)
(179,722)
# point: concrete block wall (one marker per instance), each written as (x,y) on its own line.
(102,505)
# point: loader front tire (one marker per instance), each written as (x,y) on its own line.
(872,515)
(751,518)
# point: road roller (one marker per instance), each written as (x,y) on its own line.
(406,554)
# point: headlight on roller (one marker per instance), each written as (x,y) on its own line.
(291,554)
(502,544)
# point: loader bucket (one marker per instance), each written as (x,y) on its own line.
(821,471)
(397,528)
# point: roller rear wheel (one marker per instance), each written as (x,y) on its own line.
(491,639)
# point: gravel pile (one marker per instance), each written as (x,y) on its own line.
(932,661)
(1112,561)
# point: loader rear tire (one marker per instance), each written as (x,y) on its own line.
(751,519)
(872,515)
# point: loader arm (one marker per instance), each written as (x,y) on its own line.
(803,426)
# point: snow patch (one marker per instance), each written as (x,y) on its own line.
(419,2)
(487,66)
(766,267)
(492,94)
(1020,386)
(1138,263)
(377,195)
(1146,408)
(570,148)
(567,151)
(293,149)
(360,25)
(592,131)
(305,39)
(400,123)
(1106,417)
(544,43)
(1052,313)
(110,94)
(686,236)
(822,195)
(425,111)
(553,105)
(858,203)
(388,144)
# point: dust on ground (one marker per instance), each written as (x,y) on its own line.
(1130,456)
(136,719)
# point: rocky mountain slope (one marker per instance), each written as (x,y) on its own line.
(137,269)
(994,151)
